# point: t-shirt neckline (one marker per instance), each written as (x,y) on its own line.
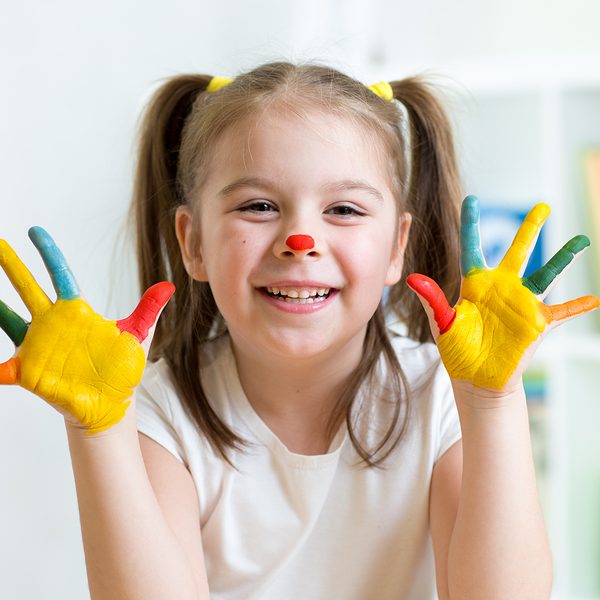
(264,433)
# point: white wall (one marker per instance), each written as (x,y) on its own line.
(75,76)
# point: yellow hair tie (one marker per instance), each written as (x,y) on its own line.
(218,82)
(383,89)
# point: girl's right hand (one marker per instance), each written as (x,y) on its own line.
(82,364)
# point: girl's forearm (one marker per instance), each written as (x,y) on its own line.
(130,551)
(499,547)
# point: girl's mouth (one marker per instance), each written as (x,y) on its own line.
(299,301)
(299,295)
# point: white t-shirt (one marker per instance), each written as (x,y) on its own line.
(288,526)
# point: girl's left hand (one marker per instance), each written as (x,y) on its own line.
(490,335)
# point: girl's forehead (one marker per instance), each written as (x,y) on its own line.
(331,126)
(283,133)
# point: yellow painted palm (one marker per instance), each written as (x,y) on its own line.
(500,318)
(81,363)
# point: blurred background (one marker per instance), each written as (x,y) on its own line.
(522,84)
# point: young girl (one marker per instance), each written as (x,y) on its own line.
(291,444)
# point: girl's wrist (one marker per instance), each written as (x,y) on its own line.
(468,396)
(127,423)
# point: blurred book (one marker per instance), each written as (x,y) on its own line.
(591,164)
(499,222)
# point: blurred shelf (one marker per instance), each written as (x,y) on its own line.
(522,127)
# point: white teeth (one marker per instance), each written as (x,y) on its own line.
(303,294)
(304,300)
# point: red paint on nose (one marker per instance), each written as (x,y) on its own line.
(299,241)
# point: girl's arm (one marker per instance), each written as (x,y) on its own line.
(487,525)
(138,543)
(87,368)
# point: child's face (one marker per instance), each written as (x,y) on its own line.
(285,175)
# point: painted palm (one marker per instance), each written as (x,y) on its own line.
(500,318)
(83,364)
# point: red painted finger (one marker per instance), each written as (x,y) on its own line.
(428,289)
(9,371)
(146,312)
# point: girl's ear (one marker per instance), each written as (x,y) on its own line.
(397,260)
(188,244)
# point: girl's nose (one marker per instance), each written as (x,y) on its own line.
(300,241)
(296,245)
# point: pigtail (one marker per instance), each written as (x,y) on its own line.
(156,194)
(433,197)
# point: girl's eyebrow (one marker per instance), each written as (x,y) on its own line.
(353,184)
(338,186)
(244,182)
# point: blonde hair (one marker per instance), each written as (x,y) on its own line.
(178,133)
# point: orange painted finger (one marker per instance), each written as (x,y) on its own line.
(561,312)
(519,251)
(31,293)
(10,371)
(431,292)
(146,312)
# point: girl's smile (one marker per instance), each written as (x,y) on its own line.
(299,298)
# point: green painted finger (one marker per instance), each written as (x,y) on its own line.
(12,324)
(541,279)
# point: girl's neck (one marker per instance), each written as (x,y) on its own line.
(295,397)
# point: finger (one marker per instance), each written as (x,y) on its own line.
(12,324)
(471,255)
(147,311)
(62,278)
(517,255)
(10,371)
(27,287)
(557,314)
(430,292)
(541,281)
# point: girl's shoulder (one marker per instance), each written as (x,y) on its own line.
(417,359)
(432,404)
(217,376)
(158,407)
(161,412)
(159,376)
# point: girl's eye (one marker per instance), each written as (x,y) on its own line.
(258,206)
(345,211)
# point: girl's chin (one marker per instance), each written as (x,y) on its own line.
(299,345)
(305,345)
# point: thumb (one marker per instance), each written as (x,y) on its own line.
(441,315)
(146,313)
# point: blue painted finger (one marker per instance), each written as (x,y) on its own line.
(471,255)
(62,278)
